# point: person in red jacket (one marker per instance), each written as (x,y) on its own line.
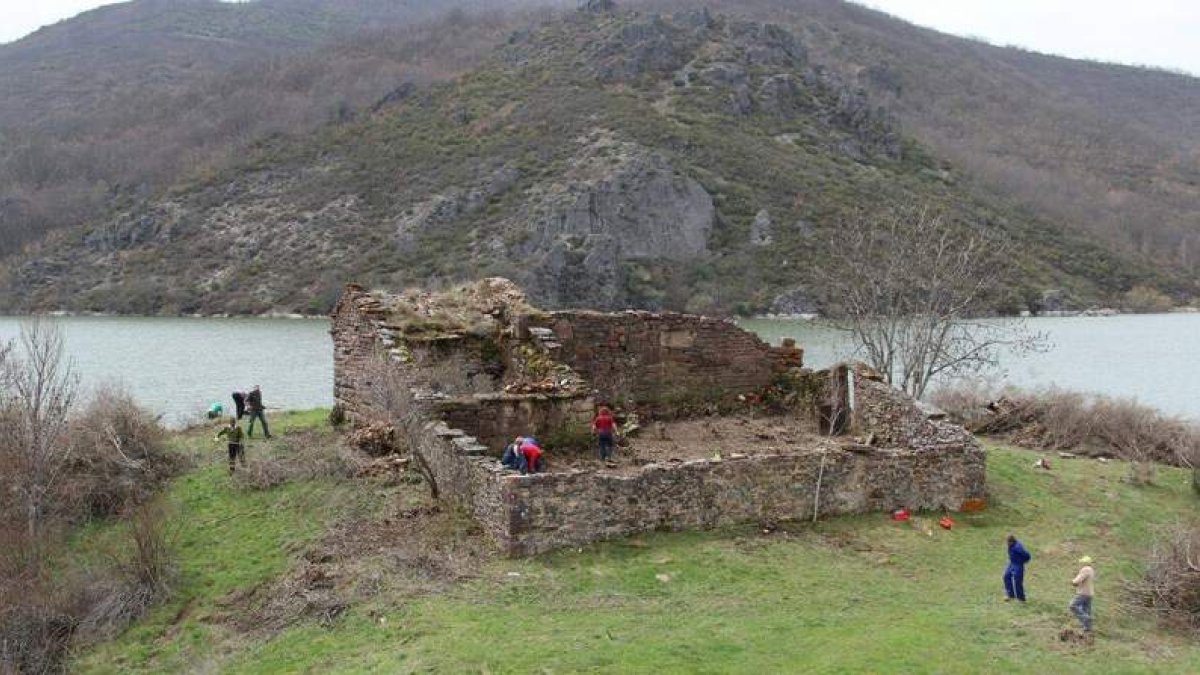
(533,456)
(605,427)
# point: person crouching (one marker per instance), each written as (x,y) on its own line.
(532,454)
(513,457)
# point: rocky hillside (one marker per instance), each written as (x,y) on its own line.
(606,159)
(117,103)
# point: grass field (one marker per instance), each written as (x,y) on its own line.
(861,594)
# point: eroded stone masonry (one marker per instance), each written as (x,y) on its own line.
(733,430)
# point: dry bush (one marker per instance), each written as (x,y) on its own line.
(118,456)
(1081,423)
(37,620)
(1171,584)
(46,612)
(152,557)
(300,457)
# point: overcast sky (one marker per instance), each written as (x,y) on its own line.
(1162,33)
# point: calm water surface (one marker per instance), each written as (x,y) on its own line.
(1154,358)
(177,367)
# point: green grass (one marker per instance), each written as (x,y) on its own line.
(229,539)
(860,594)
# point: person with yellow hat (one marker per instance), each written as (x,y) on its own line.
(1084,584)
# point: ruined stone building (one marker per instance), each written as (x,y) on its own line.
(732,430)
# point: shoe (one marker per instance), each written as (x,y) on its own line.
(1007,599)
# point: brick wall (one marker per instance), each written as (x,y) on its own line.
(649,356)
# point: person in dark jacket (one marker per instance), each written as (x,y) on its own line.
(233,436)
(239,404)
(254,408)
(1014,574)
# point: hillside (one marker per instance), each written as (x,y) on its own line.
(109,107)
(1109,150)
(320,572)
(685,161)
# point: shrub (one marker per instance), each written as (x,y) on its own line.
(118,457)
(1085,424)
(1171,584)
(1146,300)
(299,459)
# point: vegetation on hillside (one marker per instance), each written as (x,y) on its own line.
(484,176)
(104,110)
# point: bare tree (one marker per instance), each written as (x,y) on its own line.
(911,289)
(38,391)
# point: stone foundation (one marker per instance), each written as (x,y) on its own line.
(550,370)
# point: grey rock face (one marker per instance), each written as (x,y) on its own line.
(794,301)
(761,229)
(618,202)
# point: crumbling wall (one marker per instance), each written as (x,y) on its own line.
(495,419)
(902,458)
(888,416)
(356,346)
(550,511)
(651,357)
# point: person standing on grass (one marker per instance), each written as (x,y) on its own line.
(605,427)
(1084,584)
(1014,574)
(254,408)
(233,436)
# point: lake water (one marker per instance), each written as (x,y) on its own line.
(1154,358)
(177,367)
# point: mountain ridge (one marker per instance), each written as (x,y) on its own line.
(1061,203)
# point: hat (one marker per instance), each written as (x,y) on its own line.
(1086,560)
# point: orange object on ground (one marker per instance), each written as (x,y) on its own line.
(973,506)
(946,522)
(901,514)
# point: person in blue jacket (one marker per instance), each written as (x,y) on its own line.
(1014,574)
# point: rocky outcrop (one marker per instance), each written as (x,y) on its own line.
(617,202)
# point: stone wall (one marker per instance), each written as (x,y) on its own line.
(901,457)
(495,419)
(650,356)
(551,511)
(356,345)
(888,416)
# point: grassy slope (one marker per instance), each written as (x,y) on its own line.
(852,594)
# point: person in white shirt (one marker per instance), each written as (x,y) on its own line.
(1084,584)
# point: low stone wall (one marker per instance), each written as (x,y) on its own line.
(495,419)
(526,515)
(649,356)
(550,511)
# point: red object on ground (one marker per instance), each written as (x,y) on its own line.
(946,522)
(901,514)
